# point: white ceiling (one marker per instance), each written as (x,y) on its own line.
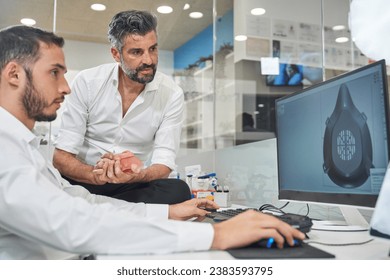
(76,21)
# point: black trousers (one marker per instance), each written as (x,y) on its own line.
(160,191)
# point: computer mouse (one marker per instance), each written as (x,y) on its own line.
(270,243)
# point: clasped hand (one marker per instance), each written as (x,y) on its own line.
(108,170)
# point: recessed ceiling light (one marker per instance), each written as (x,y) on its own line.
(28,21)
(342,40)
(186,6)
(258,11)
(240,38)
(98,7)
(338,27)
(164,9)
(196,15)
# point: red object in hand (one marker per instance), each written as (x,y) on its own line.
(130,163)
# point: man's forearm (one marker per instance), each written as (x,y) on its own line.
(153,172)
(71,167)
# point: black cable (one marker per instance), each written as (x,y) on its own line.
(271,207)
(287,203)
(308,209)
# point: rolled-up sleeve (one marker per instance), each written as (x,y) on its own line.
(74,118)
(167,140)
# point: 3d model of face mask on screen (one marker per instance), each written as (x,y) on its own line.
(347,143)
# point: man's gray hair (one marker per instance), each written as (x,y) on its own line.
(129,23)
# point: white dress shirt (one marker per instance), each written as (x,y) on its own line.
(40,212)
(92,122)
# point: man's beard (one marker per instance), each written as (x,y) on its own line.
(133,74)
(34,103)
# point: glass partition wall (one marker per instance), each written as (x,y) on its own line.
(262,50)
(232,63)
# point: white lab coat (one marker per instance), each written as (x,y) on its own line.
(39,211)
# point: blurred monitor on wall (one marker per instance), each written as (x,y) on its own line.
(295,75)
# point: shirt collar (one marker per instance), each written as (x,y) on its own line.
(17,128)
(115,75)
(153,85)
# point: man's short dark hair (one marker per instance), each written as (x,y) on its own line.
(21,44)
(130,22)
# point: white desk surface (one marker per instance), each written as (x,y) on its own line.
(378,249)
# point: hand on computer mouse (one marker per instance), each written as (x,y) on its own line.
(270,243)
(251,226)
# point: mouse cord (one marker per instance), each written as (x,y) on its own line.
(271,207)
(308,209)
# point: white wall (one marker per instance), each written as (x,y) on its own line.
(81,55)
